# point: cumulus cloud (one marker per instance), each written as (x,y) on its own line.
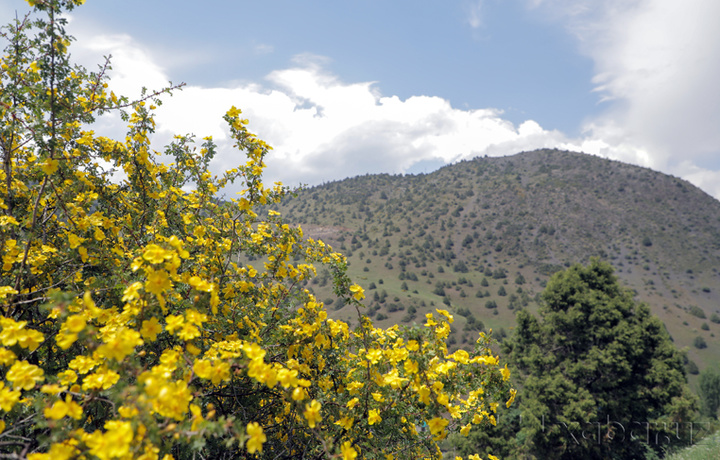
(656,69)
(323,128)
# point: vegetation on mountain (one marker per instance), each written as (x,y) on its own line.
(142,317)
(598,377)
(523,218)
(595,367)
(709,391)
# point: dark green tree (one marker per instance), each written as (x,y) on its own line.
(600,377)
(709,386)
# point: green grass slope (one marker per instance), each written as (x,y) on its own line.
(481,238)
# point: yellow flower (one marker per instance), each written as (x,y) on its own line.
(509,402)
(104,378)
(345,422)
(150,329)
(25,375)
(172,400)
(233,112)
(6,290)
(173,322)
(257,438)
(74,240)
(446,315)
(299,394)
(200,284)
(132,292)
(7,357)
(67,377)
(437,426)
(424,395)
(505,373)
(113,443)
(83,364)
(430,320)
(348,452)
(312,413)
(8,397)
(158,282)
(411,367)
(120,344)
(50,166)
(203,368)
(155,254)
(62,408)
(188,332)
(357,291)
(374,417)
(75,323)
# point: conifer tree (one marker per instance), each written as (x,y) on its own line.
(599,375)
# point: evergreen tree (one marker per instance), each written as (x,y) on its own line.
(595,370)
(709,384)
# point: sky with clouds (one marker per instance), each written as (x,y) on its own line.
(405,86)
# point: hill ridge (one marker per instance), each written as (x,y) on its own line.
(529,214)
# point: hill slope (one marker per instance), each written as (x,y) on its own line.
(483,236)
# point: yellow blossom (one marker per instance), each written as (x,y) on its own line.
(505,373)
(83,364)
(513,393)
(60,409)
(8,397)
(25,375)
(374,417)
(358,292)
(437,426)
(345,422)
(155,254)
(256,438)
(312,413)
(348,452)
(150,329)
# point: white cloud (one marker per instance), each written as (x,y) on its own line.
(325,129)
(656,68)
(474,13)
(133,66)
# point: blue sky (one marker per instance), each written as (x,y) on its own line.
(355,87)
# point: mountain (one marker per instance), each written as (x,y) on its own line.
(483,236)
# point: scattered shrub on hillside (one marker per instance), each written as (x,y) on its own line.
(697,311)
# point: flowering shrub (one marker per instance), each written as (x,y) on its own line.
(133,323)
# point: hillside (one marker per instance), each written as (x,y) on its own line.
(483,236)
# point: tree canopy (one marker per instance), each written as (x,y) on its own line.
(143,317)
(599,375)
